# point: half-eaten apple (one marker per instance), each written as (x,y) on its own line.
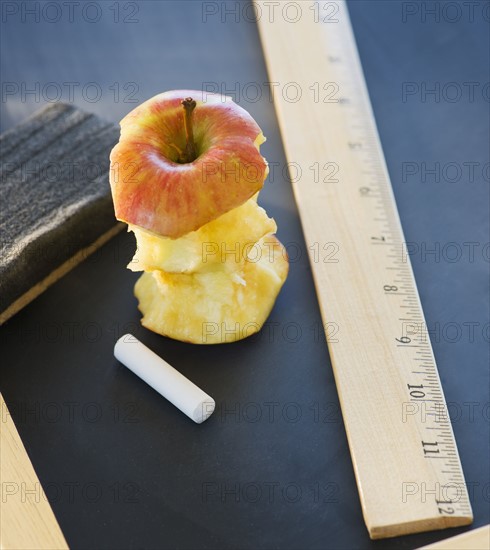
(185,177)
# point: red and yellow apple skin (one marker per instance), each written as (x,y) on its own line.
(151,186)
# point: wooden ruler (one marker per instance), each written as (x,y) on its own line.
(26,518)
(405,458)
(477,539)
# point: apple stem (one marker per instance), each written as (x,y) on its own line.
(190,153)
(179,151)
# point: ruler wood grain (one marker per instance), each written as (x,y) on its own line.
(476,539)
(405,458)
(26,518)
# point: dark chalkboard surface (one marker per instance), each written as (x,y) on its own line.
(271,467)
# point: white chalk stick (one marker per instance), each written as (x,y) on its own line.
(163,378)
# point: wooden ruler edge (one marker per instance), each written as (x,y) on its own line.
(26,521)
(476,539)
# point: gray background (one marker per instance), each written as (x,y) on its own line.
(124,469)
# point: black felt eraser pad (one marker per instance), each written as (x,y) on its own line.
(55,197)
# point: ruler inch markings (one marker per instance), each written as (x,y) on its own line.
(373,361)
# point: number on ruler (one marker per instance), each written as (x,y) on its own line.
(430,451)
(448,510)
(416,393)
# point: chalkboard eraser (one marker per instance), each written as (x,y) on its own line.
(56,199)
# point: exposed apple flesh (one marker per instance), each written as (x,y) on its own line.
(185,176)
(216,306)
(225,240)
(156,182)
